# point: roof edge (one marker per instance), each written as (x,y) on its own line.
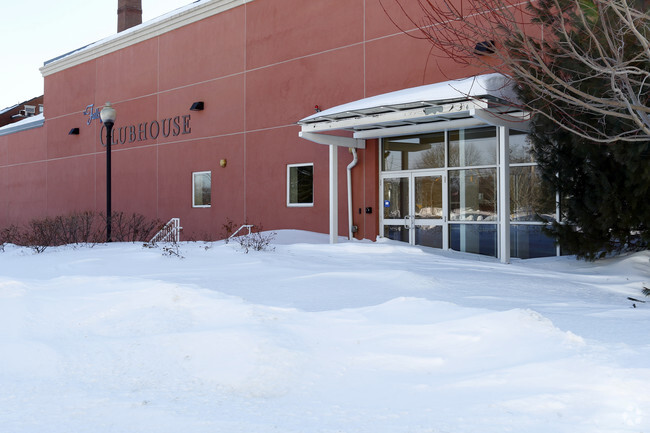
(12,128)
(494,85)
(139,33)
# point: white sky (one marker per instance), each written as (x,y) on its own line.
(38,30)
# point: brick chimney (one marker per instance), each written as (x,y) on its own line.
(129,14)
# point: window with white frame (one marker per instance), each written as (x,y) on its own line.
(201,189)
(300,184)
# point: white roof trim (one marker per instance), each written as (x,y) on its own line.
(23,125)
(392,119)
(189,14)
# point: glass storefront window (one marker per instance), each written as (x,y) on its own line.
(474,238)
(428,197)
(521,150)
(454,174)
(529,199)
(473,195)
(396,233)
(414,152)
(529,241)
(472,147)
(428,236)
(396,197)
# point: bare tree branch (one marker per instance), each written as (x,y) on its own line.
(534,42)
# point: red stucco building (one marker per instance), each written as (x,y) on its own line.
(258,67)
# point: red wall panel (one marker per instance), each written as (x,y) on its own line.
(282,30)
(208,49)
(71,185)
(259,68)
(285,93)
(127,73)
(27,186)
(177,162)
(70,90)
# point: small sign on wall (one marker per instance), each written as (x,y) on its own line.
(92,113)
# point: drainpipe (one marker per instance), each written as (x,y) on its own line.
(355,159)
(333,141)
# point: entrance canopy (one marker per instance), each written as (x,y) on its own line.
(459,104)
(480,100)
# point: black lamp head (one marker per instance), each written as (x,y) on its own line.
(197,106)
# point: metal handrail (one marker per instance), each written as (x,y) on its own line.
(169,233)
(248,226)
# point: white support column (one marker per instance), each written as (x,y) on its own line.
(504,193)
(334,195)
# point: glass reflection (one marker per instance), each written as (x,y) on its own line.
(521,150)
(470,147)
(428,197)
(428,236)
(396,197)
(396,233)
(474,238)
(473,195)
(414,152)
(529,241)
(530,200)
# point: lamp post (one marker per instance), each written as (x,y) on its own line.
(108,119)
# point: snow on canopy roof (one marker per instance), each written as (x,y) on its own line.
(496,86)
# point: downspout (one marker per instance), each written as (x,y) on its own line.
(333,141)
(355,159)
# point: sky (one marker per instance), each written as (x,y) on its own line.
(38,30)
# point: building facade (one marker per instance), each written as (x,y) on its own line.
(23,110)
(226,110)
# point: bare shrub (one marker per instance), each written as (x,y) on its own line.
(78,227)
(172,250)
(256,240)
(132,227)
(227,229)
(86,227)
(40,234)
(10,235)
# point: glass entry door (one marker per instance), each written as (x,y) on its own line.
(415,208)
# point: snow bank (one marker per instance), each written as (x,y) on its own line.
(355,337)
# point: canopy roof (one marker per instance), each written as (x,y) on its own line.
(480,99)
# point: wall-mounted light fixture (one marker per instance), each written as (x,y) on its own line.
(223,163)
(484,48)
(197,106)
(74,131)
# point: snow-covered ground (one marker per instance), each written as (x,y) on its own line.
(355,337)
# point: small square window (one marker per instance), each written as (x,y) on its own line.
(300,184)
(201,189)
